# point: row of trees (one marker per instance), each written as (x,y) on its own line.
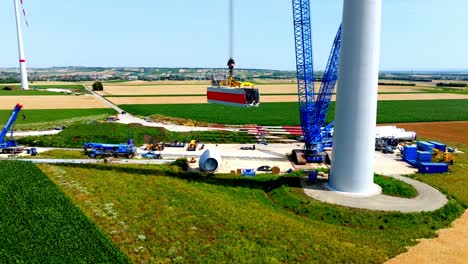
(452,85)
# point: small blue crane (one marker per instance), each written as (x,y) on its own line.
(9,146)
(313,108)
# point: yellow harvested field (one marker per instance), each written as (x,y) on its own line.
(52,102)
(189,89)
(153,83)
(159,100)
(399,89)
(153,90)
(270,99)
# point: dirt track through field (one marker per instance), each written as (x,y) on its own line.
(52,102)
(271,99)
(448,132)
(451,246)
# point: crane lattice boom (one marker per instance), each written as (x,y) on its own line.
(313,109)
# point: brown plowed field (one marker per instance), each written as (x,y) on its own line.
(451,246)
(449,132)
(52,102)
(270,99)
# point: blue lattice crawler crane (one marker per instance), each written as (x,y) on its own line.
(10,146)
(95,150)
(313,108)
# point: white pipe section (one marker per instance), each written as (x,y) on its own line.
(356,105)
(22,60)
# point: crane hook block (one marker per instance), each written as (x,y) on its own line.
(231,63)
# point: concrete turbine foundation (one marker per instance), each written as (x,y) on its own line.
(352,169)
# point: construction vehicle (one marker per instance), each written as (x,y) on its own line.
(10,146)
(151,155)
(226,89)
(248,172)
(155,146)
(94,150)
(192,146)
(313,107)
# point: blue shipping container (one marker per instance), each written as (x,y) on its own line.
(425,146)
(410,152)
(424,156)
(439,146)
(427,167)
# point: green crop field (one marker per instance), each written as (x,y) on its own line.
(39,119)
(113,133)
(40,224)
(164,214)
(288,113)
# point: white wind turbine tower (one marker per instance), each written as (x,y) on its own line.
(22,59)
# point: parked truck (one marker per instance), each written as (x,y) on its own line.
(95,150)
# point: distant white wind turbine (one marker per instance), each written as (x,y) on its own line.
(22,59)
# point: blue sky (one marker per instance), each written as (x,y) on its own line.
(416,34)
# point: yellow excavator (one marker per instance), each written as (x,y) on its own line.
(441,156)
(155,147)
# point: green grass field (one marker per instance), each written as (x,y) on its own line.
(27,93)
(393,187)
(113,133)
(446,90)
(42,119)
(170,215)
(40,224)
(61,154)
(288,113)
(74,88)
(45,86)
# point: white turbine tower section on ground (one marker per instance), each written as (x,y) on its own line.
(22,59)
(356,105)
